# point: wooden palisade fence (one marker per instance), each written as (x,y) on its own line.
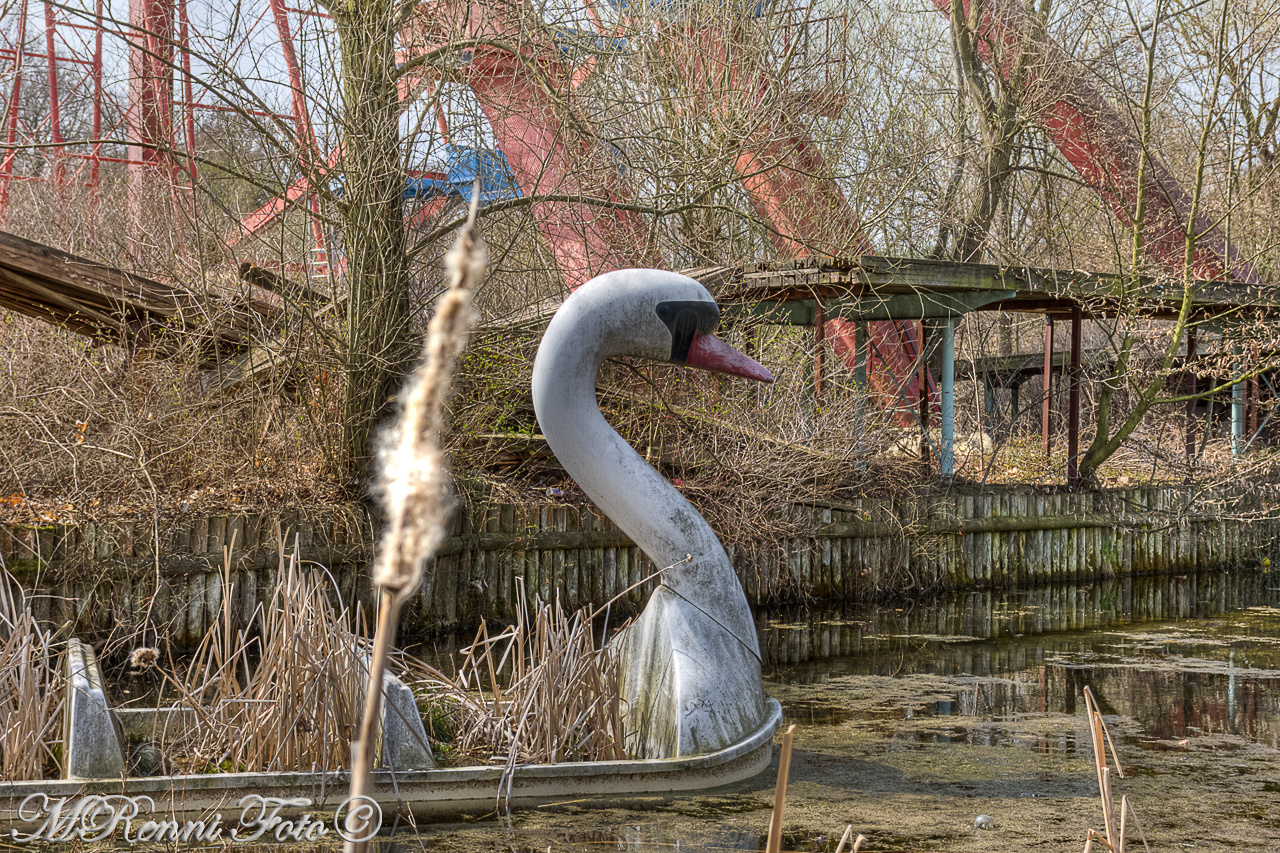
(168,575)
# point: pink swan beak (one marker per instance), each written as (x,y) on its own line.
(707,352)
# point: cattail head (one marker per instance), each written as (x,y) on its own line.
(415,479)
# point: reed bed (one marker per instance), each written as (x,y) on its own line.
(562,699)
(288,698)
(541,691)
(30,689)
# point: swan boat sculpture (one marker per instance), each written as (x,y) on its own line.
(691,661)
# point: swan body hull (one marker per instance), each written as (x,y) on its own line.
(690,687)
(691,661)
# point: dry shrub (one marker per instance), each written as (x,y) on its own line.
(91,431)
(541,691)
(745,454)
(287,699)
(30,690)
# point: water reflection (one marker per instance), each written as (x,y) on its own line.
(794,635)
(1180,658)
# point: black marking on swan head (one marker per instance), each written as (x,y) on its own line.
(684,319)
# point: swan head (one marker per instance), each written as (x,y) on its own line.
(655,314)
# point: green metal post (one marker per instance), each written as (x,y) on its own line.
(946,464)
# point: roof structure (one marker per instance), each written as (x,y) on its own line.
(871,287)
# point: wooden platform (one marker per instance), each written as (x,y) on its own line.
(876,288)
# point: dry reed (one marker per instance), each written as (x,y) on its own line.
(562,700)
(288,698)
(1113,836)
(30,694)
(774,844)
(541,691)
(847,837)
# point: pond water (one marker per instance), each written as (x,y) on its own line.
(1198,657)
(913,719)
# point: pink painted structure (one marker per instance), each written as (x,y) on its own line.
(72,44)
(17,52)
(152,171)
(161,167)
(524,97)
(527,98)
(788,183)
(1102,147)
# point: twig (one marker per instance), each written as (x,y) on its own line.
(1126,804)
(1112,837)
(1100,764)
(857,842)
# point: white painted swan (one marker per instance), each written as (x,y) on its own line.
(691,663)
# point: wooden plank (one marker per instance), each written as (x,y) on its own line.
(97,300)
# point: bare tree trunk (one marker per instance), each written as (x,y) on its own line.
(998,114)
(379,347)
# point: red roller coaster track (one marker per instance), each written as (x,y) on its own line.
(583,205)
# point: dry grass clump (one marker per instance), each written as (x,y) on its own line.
(542,691)
(287,699)
(30,690)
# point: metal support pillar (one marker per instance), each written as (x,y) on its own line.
(150,114)
(946,465)
(188,104)
(1015,389)
(95,162)
(922,378)
(1073,402)
(1252,420)
(1237,417)
(55,107)
(861,358)
(1189,372)
(12,112)
(819,346)
(306,137)
(1046,438)
(989,402)
(860,365)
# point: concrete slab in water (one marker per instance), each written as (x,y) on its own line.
(92,748)
(404,738)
